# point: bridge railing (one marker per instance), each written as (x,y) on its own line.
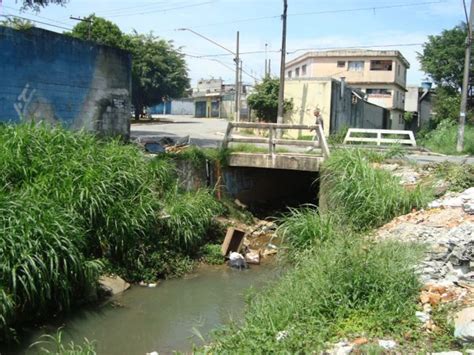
(272,140)
(377,136)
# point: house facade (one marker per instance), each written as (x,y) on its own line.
(215,99)
(419,103)
(380,75)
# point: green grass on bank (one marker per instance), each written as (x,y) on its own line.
(364,196)
(73,206)
(340,284)
(444,139)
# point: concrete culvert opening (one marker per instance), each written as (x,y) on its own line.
(271,190)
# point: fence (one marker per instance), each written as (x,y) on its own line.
(273,139)
(377,136)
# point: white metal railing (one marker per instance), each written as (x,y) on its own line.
(377,136)
(272,139)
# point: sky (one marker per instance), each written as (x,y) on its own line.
(402,25)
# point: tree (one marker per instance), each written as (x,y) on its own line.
(264,100)
(159,70)
(101,31)
(36,4)
(443,57)
(17,23)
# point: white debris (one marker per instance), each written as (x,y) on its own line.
(387,344)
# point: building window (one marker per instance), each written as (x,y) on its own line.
(303,70)
(297,72)
(378,92)
(341,63)
(400,119)
(398,69)
(289,73)
(398,97)
(355,65)
(381,65)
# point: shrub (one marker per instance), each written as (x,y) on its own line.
(212,254)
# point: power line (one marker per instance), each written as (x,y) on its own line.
(367,8)
(220,62)
(35,15)
(121,9)
(40,22)
(315,49)
(164,10)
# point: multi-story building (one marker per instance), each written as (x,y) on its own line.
(381,75)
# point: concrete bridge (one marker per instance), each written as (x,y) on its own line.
(296,159)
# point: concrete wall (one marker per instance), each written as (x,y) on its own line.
(51,77)
(338,109)
(182,107)
(308,95)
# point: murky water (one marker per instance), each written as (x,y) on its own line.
(165,318)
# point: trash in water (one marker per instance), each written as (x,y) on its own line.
(237,261)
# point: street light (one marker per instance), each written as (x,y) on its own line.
(236,60)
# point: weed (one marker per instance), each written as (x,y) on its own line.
(55,342)
(459,177)
(340,288)
(444,139)
(212,254)
(367,197)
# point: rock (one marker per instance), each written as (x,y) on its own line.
(152,353)
(448,353)
(253,257)
(387,344)
(282,335)
(468,208)
(113,284)
(360,341)
(464,325)
(237,261)
(422,316)
(341,348)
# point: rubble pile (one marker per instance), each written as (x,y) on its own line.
(447,228)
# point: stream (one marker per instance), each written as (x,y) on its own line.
(162,319)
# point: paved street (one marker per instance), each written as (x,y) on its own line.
(208,132)
(204,132)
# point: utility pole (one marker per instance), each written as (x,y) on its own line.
(266,61)
(465,82)
(281,93)
(237,86)
(84,19)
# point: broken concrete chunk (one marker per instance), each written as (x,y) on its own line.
(464,325)
(253,257)
(387,344)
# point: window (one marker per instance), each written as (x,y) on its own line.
(378,92)
(355,65)
(289,74)
(400,119)
(398,97)
(341,63)
(303,70)
(381,65)
(297,72)
(398,69)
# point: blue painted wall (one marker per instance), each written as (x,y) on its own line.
(45,76)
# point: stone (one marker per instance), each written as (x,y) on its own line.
(113,284)
(282,335)
(447,353)
(464,325)
(253,257)
(341,348)
(422,316)
(468,208)
(387,344)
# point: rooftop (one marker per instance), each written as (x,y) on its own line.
(351,53)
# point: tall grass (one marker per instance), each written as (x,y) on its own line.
(365,196)
(340,288)
(68,200)
(444,139)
